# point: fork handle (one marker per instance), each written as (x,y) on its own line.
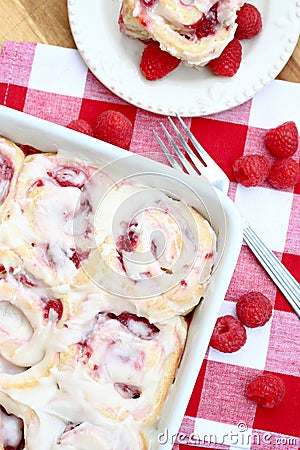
(283,279)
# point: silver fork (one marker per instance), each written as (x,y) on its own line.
(283,279)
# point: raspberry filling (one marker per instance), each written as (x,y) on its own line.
(148,2)
(38,183)
(22,277)
(56,305)
(208,24)
(6,174)
(78,256)
(127,390)
(85,352)
(68,176)
(127,243)
(75,255)
(28,149)
(11,431)
(204,27)
(139,326)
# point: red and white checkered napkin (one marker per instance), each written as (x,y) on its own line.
(53,83)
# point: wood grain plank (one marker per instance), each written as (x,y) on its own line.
(35,21)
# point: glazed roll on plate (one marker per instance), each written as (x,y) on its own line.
(194,31)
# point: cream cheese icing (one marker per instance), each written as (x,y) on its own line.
(122,367)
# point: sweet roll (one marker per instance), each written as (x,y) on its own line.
(95,437)
(11,162)
(154,252)
(52,226)
(122,368)
(194,31)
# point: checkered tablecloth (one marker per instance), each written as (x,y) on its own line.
(53,83)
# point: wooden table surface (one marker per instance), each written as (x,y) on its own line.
(47,22)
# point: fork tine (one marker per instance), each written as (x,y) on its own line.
(170,158)
(194,141)
(223,184)
(191,154)
(178,152)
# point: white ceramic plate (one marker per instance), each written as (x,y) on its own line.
(114,60)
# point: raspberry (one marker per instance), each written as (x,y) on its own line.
(251,170)
(229,61)
(249,22)
(156,63)
(82,126)
(282,141)
(208,23)
(266,390)
(114,127)
(254,309)
(229,334)
(284,174)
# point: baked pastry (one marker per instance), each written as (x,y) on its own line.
(95,437)
(51,227)
(123,368)
(31,332)
(95,278)
(194,31)
(155,252)
(19,425)
(11,161)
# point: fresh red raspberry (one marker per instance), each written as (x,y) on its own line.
(266,390)
(251,170)
(114,127)
(284,174)
(82,126)
(228,63)
(229,334)
(254,309)
(249,22)
(156,63)
(282,141)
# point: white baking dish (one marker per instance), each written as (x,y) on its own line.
(215,206)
